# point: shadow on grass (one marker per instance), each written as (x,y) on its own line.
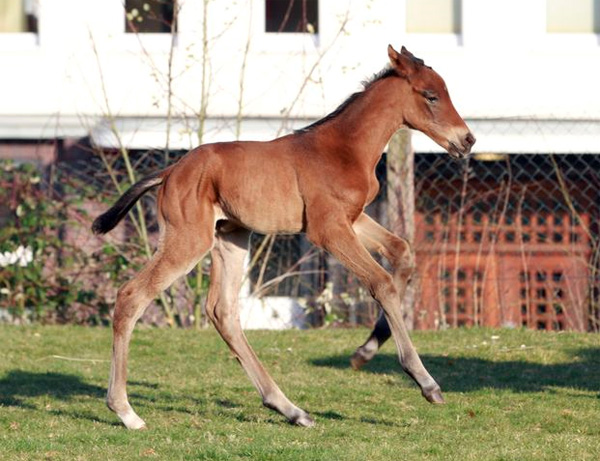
(335,416)
(19,388)
(467,374)
(18,385)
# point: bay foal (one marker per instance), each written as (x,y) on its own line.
(317,180)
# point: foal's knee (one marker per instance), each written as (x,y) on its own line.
(401,254)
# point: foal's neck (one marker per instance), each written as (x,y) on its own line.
(367,124)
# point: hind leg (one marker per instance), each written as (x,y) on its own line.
(398,252)
(178,254)
(227,270)
(365,353)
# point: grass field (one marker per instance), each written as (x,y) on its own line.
(515,395)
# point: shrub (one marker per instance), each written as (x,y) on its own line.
(36,264)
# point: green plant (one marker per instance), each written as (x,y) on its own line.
(37,278)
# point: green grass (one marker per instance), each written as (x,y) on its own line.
(524,395)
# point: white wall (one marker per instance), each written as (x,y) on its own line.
(503,65)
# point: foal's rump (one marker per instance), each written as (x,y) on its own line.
(252,184)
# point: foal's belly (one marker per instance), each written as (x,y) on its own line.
(263,206)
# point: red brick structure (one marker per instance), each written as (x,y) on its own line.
(525,260)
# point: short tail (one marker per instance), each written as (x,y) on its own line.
(110,218)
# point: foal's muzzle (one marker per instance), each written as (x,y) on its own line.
(463,147)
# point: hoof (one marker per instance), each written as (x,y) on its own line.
(358,359)
(434,396)
(133,421)
(303,420)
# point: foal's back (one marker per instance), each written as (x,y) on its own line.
(252,184)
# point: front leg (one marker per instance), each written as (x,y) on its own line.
(339,239)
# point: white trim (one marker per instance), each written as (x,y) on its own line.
(150,132)
(43,127)
(493,135)
(526,137)
(19,41)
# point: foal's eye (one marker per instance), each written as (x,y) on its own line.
(430,97)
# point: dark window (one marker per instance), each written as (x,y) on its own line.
(18,17)
(292,16)
(154,16)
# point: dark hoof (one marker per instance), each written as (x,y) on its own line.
(434,396)
(358,359)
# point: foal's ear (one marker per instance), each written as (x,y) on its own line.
(402,63)
(407,53)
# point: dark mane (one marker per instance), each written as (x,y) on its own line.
(384,73)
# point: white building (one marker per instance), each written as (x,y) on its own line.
(510,59)
(523,73)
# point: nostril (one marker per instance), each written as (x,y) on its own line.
(470,139)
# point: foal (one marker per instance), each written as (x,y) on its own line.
(317,180)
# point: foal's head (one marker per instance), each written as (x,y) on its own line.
(428,107)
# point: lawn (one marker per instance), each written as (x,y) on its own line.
(511,394)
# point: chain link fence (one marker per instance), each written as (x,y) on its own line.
(501,240)
(508,240)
